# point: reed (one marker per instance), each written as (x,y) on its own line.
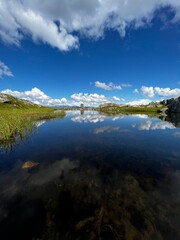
(18,122)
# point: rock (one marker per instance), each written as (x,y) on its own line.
(29,165)
(174,105)
(174,118)
(4,98)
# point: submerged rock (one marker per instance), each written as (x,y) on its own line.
(29,164)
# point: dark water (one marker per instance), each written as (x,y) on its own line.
(99,177)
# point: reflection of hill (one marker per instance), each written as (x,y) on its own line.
(174,118)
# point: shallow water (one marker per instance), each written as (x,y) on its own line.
(99,177)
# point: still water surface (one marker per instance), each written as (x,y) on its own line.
(99,177)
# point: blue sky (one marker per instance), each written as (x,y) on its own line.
(92,56)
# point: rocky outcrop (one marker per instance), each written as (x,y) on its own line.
(174,105)
(4,98)
(15,102)
(167,102)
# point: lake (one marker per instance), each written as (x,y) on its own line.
(98,177)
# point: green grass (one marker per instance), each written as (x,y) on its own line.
(18,122)
(113,110)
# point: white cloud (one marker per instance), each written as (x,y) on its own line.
(46,31)
(117,99)
(111,86)
(141,116)
(93,99)
(147,91)
(139,102)
(40,123)
(89,117)
(161,92)
(108,87)
(167,92)
(4,70)
(58,23)
(149,125)
(136,91)
(37,96)
(17,20)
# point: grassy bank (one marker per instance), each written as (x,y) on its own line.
(17,122)
(113,110)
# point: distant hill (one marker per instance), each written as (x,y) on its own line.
(8,101)
(163,107)
(67,107)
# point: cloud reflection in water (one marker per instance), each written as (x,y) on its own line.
(149,125)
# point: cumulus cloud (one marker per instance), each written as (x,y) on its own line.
(150,92)
(136,91)
(147,91)
(111,86)
(139,102)
(117,99)
(89,117)
(93,99)
(59,23)
(167,92)
(37,96)
(17,19)
(108,87)
(4,70)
